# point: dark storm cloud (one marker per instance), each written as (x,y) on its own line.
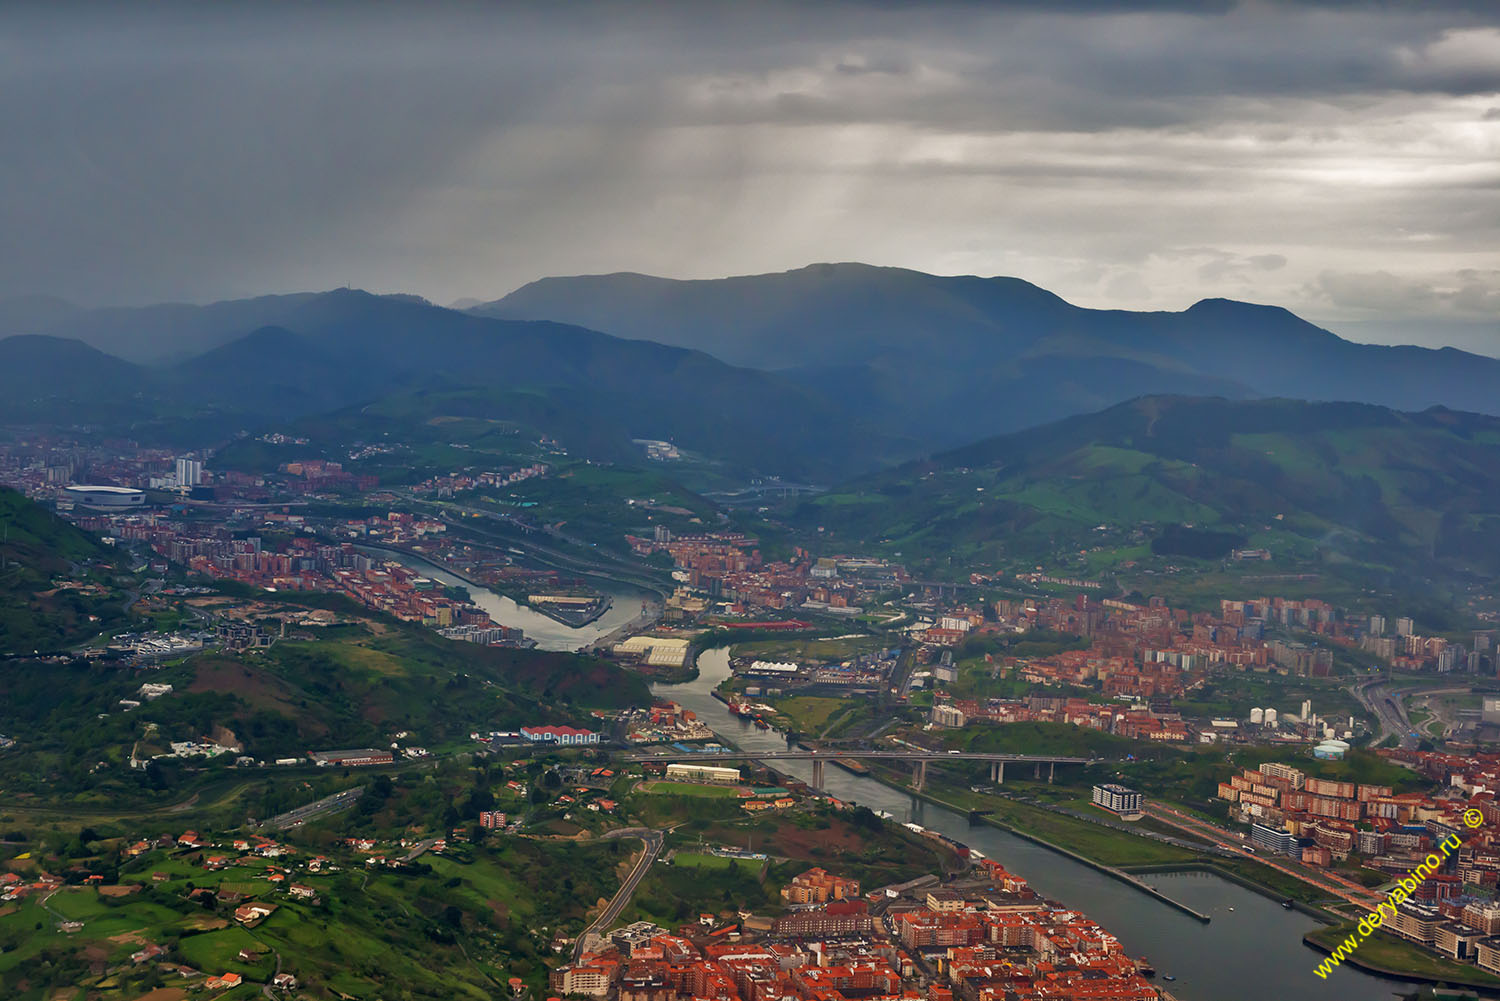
(1129,153)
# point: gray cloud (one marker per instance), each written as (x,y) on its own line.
(1470,292)
(1128,287)
(1143,152)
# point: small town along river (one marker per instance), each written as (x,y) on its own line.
(549,634)
(1251,953)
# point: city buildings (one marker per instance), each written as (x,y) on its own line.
(563,736)
(356,758)
(1120,800)
(818,886)
(995,939)
(702,773)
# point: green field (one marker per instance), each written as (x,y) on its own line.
(813,714)
(664,788)
(448,928)
(1040,738)
(218,952)
(853,843)
(810,649)
(672,894)
(697,860)
(1234,695)
(1095,841)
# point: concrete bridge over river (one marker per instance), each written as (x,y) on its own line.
(820,757)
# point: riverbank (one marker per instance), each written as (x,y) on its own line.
(550,633)
(574,617)
(1381,953)
(625,630)
(1108,870)
(1130,852)
(1250,951)
(1402,961)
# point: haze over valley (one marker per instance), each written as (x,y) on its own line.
(855,501)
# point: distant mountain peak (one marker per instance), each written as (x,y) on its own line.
(33,314)
(48,346)
(1219,304)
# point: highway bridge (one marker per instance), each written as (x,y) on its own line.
(919,759)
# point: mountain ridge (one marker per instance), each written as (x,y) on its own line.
(817,373)
(347,347)
(1320,485)
(962,343)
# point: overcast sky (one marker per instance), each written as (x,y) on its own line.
(1338,158)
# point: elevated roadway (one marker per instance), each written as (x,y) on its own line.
(820,757)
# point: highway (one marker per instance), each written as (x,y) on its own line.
(1388,707)
(302,814)
(653,841)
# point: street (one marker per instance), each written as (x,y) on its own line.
(653,841)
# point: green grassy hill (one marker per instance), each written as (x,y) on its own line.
(358,687)
(36,548)
(352,685)
(1193,477)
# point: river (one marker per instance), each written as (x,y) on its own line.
(1252,953)
(548,633)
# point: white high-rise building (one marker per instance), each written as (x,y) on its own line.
(1118,799)
(189,472)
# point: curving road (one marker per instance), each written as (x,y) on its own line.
(1388,706)
(653,841)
